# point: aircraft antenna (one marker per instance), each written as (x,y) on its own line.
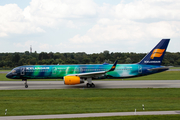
(30,48)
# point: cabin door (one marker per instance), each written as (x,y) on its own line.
(22,70)
(139,69)
(54,70)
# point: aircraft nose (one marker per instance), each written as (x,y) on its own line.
(9,75)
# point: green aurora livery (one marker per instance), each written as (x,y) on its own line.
(76,74)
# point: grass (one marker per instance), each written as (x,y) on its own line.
(134,117)
(167,75)
(35,102)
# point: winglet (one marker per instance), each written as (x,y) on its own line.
(113,67)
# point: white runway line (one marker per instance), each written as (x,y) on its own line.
(88,115)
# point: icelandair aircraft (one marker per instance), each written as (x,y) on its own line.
(76,74)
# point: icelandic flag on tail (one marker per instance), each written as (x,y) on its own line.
(156,55)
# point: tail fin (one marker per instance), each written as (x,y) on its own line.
(156,55)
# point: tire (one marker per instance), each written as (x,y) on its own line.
(93,85)
(26,86)
(88,85)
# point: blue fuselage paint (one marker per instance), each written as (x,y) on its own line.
(59,71)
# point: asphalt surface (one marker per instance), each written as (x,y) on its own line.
(173,70)
(19,85)
(88,115)
(4,71)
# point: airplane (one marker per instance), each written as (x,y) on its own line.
(77,74)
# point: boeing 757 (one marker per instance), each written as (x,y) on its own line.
(76,74)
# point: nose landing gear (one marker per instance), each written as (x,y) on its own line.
(25,83)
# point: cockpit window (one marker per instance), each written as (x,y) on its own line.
(13,71)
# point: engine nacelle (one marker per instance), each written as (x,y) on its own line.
(72,80)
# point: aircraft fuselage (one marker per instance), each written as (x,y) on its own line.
(59,71)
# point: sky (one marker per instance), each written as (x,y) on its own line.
(90,26)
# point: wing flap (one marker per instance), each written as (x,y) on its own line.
(90,74)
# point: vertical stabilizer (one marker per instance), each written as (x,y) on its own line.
(156,55)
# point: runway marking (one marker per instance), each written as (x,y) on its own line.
(88,115)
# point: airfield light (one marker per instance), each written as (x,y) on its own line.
(5,111)
(143,106)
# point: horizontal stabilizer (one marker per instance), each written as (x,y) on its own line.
(160,68)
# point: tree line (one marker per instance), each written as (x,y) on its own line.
(10,60)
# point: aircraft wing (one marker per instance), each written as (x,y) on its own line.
(95,74)
(90,74)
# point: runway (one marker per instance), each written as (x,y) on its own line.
(89,115)
(19,85)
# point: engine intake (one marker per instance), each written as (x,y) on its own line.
(73,80)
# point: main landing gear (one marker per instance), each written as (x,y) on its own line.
(25,83)
(90,84)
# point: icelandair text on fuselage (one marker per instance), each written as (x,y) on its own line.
(152,61)
(37,68)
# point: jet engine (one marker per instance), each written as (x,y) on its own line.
(72,80)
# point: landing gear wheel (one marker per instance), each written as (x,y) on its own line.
(26,86)
(88,85)
(93,85)
(25,82)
